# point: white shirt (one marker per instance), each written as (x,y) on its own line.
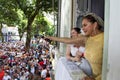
(32,70)
(6,77)
(43,73)
(22,78)
(75,49)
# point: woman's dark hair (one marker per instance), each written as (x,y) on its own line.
(77,29)
(91,17)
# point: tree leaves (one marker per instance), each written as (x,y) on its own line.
(24,12)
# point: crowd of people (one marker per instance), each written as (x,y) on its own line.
(18,64)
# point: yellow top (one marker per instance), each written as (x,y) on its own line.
(94,54)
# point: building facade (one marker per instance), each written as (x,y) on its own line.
(70,14)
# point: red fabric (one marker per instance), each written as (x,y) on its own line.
(48,78)
(41,63)
(3,57)
(2,74)
(82,55)
(11,61)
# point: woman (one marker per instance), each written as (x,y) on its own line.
(72,49)
(75,53)
(93,27)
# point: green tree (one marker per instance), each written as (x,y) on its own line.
(42,24)
(29,10)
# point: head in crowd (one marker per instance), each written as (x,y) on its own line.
(42,36)
(92,24)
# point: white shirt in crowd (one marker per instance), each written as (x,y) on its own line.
(43,73)
(6,77)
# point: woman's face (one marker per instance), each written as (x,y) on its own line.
(87,27)
(74,33)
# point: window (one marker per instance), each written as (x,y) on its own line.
(81,8)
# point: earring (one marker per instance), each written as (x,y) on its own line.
(95,31)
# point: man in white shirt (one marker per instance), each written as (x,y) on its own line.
(7,76)
(43,72)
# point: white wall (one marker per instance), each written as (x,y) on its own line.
(113,34)
(65,22)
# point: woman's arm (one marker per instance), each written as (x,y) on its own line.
(68,52)
(81,40)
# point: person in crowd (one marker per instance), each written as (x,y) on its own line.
(43,72)
(47,76)
(93,27)
(2,73)
(22,77)
(6,76)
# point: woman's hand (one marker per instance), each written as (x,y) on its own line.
(78,54)
(76,58)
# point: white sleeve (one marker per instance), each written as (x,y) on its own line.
(82,49)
